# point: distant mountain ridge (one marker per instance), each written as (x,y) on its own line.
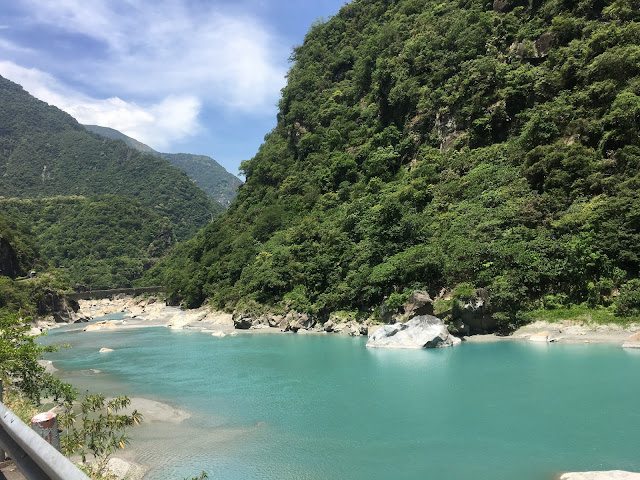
(44,152)
(208,174)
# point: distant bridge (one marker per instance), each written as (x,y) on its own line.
(97,294)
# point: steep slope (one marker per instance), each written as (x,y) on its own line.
(489,149)
(44,152)
(98,242)
(116,135)
(208,174)
(18,251)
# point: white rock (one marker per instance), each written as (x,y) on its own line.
(610,475)
(124,469)
(105,350)
(540,337)
(423,331)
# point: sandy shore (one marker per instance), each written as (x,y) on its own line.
(567,332)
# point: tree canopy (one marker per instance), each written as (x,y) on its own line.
(425,144)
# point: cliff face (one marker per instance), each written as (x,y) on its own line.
(9,264)
(463,145)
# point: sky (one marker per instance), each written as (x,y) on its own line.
(190,76)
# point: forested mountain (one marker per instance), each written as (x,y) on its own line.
(208,174)
(492,148)
(97,242)
(44,153)
(116,135)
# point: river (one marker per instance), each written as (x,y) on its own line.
(324,406)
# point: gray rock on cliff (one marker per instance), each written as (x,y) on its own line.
(424,331)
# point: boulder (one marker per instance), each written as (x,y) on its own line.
(633,341)
(610,475)
(104,325)
(275,320)
(540,337)
(353,329)
(339,327)
(243,322)
(328,326)
(105,350)
(125,469)
(419,303)
(424,331)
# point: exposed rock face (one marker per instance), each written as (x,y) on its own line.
(9,265)
(424,331)
(419,303)
(610,475)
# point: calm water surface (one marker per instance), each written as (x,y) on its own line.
(320,407)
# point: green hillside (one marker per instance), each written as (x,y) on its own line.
(44,153)
(97,242)
(116,135)
(459,145)
(209,175)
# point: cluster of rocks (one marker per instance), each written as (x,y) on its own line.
(297,322)
(150,306)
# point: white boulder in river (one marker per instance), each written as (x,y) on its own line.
(424,331)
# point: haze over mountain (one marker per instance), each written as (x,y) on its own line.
(208,174)
(488,149)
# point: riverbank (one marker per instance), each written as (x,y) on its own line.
(568,332)
(141,312)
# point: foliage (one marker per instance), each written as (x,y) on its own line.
(100,431)
(423,145)
(98,242)
(44,152)
(19,367)
(209,175)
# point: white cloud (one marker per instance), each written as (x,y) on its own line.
(169,47)
(12,47)
(159,124)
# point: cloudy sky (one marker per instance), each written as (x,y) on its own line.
(194,76)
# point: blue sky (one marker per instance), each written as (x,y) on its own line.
(194,76)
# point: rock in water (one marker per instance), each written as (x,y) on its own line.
(424,331)
(633,341)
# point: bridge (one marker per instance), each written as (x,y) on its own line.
(97,294)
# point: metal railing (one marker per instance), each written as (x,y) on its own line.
(36,459)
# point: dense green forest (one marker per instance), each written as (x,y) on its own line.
(209,175)
(44,152)
(492,148)
(97,242)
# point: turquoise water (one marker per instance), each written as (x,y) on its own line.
(320,407)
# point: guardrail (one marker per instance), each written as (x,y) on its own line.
(36,459)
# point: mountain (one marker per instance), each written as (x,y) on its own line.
(208,174)
(45,153)
(116,135)
(98,242)
(487,152)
